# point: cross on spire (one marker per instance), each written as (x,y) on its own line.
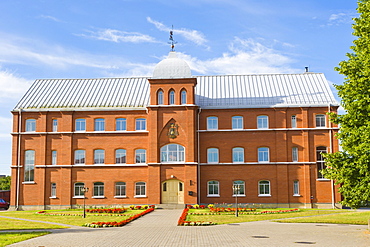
(172,41)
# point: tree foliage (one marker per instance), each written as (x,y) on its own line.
(5,183)
(351,167)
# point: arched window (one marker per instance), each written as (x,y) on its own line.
(79,157)
(212,155)
(140,155)
(262,122)
(53,192)
(238,188)
(172,153)
(99,124)
(140,189)
(320,120)
(320,161)
(54,157)
(98,189)
(237,122)
(263,154)
(120,124)
(30,125)
(264,188)
(238,155)
(78,188)
(212,123)
(213,188)
(80,124)
(183,97)
(120,156)
(172,97)
(99,156)
(140,124)
(29,167)
(120,189)
(160,100)
(296,188)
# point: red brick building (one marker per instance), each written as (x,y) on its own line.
(174,138)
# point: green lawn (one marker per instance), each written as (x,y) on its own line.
(70,220)
(304,215)
(11,238)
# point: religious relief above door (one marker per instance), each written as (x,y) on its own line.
(173,131)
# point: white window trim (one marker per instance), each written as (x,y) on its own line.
(213,195)
(264,195)
(140,196)
(120,196)
(78,197)
(98,197)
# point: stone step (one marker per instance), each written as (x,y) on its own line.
(170,206)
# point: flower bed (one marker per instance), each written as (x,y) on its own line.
(182,220)
(120,223)
(231,211)
(107,210)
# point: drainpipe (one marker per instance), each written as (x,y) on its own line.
(18,157)
(198,182)
(331,151)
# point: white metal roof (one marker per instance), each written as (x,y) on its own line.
(233,91)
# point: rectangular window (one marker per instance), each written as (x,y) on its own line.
(140,124)
(53,193)
(213,188)
(120,124)
(320,161)
(296,188)
(55,125)
(99,124)
(30,125)
(294,121)
(120,189)
(54,157)
(80,124)
(263,154)
(295,154)
(140,189)
(29,168)
(237,123)
(212,123)
(320,120)
(79,157)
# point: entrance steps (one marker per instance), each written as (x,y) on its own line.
(170,206)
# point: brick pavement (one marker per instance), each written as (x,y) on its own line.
(159,229)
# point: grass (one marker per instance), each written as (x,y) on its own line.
(318,216)
(69,220)
(11,224)
(7,238)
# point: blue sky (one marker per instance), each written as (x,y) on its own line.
(123,38)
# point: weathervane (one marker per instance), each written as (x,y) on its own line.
(172,42)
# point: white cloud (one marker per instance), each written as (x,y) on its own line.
(340,18)
(12,87)
(119,36)
(245,56)
(194,36)
(49,18)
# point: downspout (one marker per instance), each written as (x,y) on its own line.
(331,151)
(18,157)
(198,178)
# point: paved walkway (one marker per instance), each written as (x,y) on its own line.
(159,229)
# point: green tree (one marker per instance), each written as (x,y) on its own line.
(351,167)
(5,183)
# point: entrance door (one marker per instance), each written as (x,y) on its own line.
(173,191)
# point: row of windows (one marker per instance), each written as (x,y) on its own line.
(99,124)
(262,122)
(171,97)
(238,189)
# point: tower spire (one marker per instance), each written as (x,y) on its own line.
(172,41)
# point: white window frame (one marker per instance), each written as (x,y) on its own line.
(29,166)
(31,125)
(212,123)
(121,124)
(53,190)
(140,156)
(77,187)
(140,124)
(238,155)
(54,157)
(296,188)
(183,97)
(140,189)
(294,121)
(172,153)
(264,188)
(120,190)
(160,98)
(263,155)
(80,124)
(320,161)
(120,156)
(262,122)
(55,125)
(213,155)
(294,154)
(80,157)
(320,121)
(99,124)
(241,185)
(171,97)
(237,122)
(98,190)
(99,156)
(213,188)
